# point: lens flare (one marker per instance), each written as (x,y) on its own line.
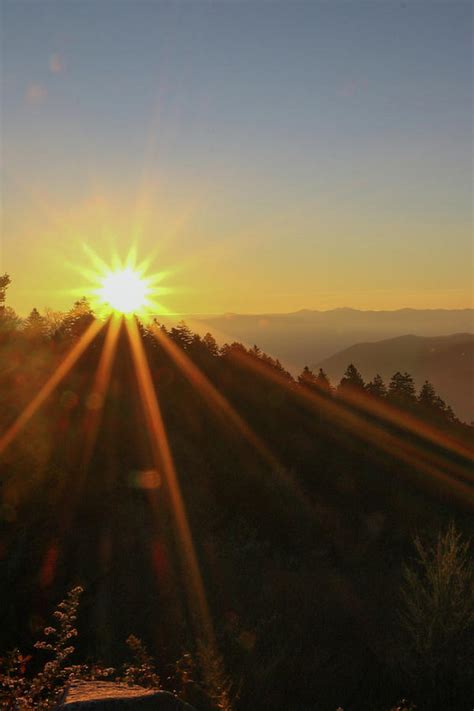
(124,291)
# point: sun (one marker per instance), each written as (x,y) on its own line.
(124,291)
(124,287)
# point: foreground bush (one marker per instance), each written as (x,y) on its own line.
(435,652)
(437,620)
(203,682)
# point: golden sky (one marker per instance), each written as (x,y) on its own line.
(268,158)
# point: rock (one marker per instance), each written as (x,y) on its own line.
(108,696)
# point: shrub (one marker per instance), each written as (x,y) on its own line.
(437,619)
(43,690)
(141,670)
(204,680)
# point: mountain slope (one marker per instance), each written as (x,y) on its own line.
(447,361)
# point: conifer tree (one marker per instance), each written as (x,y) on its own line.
(181,334)
(401,389)
(211,344)
(35,325)
(322,381)
(307,377)
(352,380)
(5,282)
(376,387)
(77,319)
(431,402)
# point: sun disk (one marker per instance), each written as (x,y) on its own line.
(124,291)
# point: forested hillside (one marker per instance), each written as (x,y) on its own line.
(303,498)
(446,361)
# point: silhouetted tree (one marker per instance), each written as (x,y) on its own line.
(376,387)
(352,380)
(437,618)
(228,350)
(433,404)
(211,344)
(5,282)
(307,377)
(196,344)
(35,325)
(76,320)
(323,383)
(401,389)
(182,335)
(9,319)
(427,397)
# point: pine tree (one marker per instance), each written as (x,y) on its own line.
(35,325)
(323,383)
(307,377)
(76,320)
(432,403)
(376,387)
(5,282)
(211,344)
(427,397)
(181,334)
(437,616)
(401,389)
(352,380)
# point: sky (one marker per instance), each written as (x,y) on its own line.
(265,156)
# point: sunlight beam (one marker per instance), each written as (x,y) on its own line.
(217,402)
(437,468)
(164,462)
(48,388)
(99,388)
(410,423)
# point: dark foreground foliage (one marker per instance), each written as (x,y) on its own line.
(301,553)
(23,689)
(435,646)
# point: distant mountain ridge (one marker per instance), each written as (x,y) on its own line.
(446,361)
(304,337)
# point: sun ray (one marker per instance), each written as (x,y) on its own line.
(410,423)
(211,395)
(96,399)
(101,266)
(220,404)
(48,388)
(164,462)
(437,468)
(323,514)
(95,405)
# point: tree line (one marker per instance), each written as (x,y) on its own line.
(400,391)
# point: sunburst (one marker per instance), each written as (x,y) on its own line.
(124,287)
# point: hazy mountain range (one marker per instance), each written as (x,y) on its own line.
(307,337)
